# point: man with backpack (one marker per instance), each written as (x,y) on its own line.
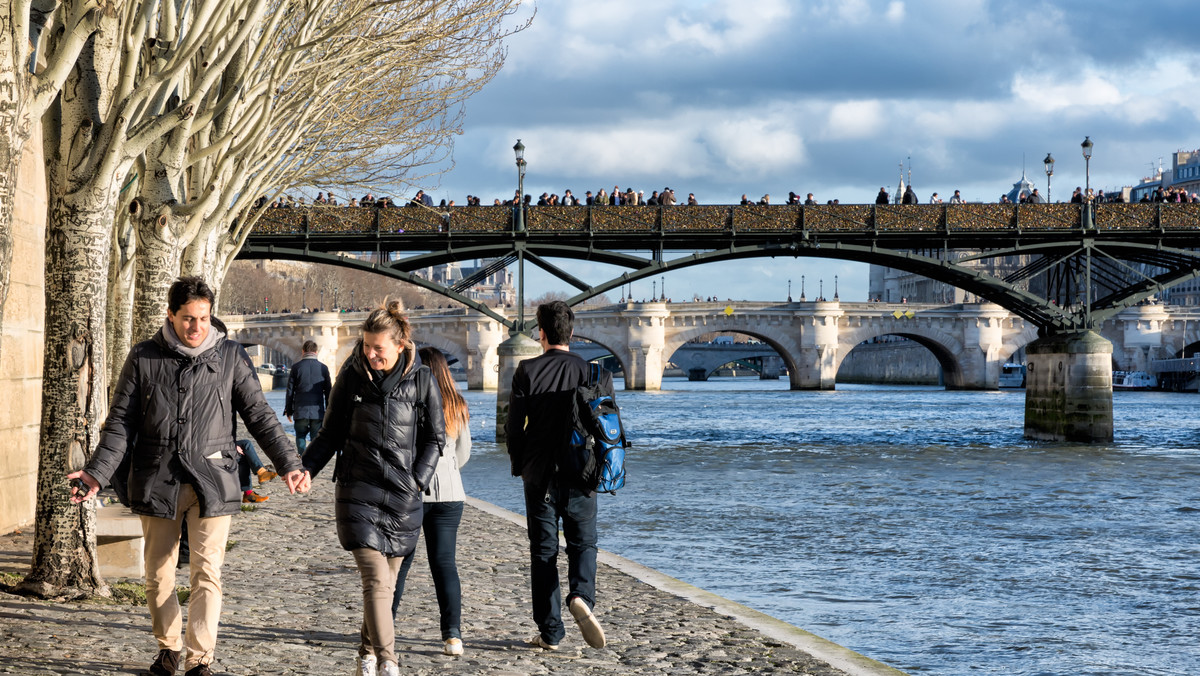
(540,422)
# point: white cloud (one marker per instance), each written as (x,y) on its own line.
(1049,93)
(895,11)
(854,120)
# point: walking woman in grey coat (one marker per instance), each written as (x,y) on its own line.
(444,507)
(384,422)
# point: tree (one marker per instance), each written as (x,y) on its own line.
(25,95)
(130,88)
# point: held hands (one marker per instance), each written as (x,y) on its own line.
(298,480)
(83,486)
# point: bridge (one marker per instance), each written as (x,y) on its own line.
(1077,267)
(811,340)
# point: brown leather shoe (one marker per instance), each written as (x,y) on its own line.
(199,670)
(165,664)
(251,496)
(265,475)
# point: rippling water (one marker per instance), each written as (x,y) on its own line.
(913,525)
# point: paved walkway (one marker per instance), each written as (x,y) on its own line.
(293,605)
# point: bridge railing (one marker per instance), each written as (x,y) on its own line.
(320,220)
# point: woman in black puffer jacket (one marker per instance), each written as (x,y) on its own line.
(385,418)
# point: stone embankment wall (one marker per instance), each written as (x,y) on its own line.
(898,363)
(21,349)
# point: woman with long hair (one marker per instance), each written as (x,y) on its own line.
(444,506)
(384,422)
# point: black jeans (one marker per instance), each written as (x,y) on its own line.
(543,509)
(440,525)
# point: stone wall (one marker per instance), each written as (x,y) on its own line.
(21,351)
(898,363)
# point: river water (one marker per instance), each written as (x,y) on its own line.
(912,524)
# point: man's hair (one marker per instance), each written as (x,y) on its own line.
(188,289)
(555,319)
(309,346)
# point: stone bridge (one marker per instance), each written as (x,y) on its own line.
(970,341)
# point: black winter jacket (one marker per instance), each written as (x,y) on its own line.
(173,416)
(539,412)
(388,444)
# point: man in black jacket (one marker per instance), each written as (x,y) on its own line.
(307,395)
(539,420)
(170,416)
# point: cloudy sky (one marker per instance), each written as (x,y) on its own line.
(731,97)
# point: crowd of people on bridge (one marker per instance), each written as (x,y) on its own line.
(667,197)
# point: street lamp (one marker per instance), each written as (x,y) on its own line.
(351,300)
(1087,162)
(335,304)
(1049,162)
(519,226)
(322,300)
(802,288)
(835,290)
(519,202)
(789,290)
(304,298)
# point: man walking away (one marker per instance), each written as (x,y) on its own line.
(543,389)
(307,395)
(170,415)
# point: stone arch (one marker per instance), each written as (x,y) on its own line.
(944,347)
(1017,340)
(287,345)
(782,343)
(449,347)
(620,356)
(677,339)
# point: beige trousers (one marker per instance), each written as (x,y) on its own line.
(378,633)
(206,539)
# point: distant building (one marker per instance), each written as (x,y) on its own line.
(494,285)
(1021,188)
(1185,170)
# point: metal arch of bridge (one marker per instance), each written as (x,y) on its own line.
(1088,253)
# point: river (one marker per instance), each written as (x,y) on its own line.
(912,524)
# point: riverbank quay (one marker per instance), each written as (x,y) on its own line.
(293,605)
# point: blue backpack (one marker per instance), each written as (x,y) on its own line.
(596,447)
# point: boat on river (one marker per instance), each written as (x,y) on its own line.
(1012,375)
(1133,380)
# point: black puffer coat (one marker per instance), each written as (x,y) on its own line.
(389,443)
(173,415)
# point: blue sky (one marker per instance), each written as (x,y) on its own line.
(729,97)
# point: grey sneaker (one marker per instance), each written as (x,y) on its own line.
(592,632)
(364,666)
(538,642)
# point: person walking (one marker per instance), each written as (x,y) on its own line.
(307,395)
(443,507)
(170,420)
(538,426)
(385,426)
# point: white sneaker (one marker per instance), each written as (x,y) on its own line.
(453,646)
(364,666)
(592,632)
(389,669)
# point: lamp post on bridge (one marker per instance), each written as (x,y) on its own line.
(519,225)
(789,290)
(1049,162)
(1087,163)
(304,298)
(802,299)
(322,300)
(351,300)
(835,290)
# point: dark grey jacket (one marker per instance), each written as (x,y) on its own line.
(173,416)
(389,436)
(307,389)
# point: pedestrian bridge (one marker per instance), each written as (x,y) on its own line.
(811,339)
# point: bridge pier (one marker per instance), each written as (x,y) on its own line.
(645,334)
(1068,388)
(771,367)
(983,342)
(513,351)
(483,360)
(817,361)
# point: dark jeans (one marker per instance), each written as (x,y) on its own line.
(248,463)
(440,525)
(543,509)
(306,428)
